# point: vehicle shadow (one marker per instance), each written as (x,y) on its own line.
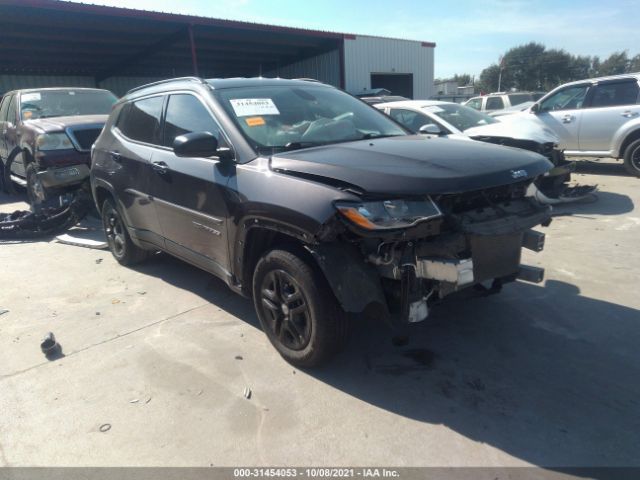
(542,373)
(592,167)
(599,203)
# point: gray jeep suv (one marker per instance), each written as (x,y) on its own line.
(598,117)
(312,203)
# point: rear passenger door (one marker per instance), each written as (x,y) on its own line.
(609,106)
(128,158)
(190,192)
(493,104)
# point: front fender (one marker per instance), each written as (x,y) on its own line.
(355,283)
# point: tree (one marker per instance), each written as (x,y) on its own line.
(617,63)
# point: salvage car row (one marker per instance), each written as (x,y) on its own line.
(298,195)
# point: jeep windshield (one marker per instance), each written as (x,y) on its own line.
(459,116)
(278,118)
(62,103)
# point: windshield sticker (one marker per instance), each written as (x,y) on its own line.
(30,97)
(434,109)
(255,121)
(248,107)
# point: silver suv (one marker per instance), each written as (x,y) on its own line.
(598,117)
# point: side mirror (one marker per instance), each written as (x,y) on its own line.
(200,144)
(430,129)
(535,108)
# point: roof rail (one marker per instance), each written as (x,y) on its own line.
(168,80)
(308,80)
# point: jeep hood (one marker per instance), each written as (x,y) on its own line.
(413,165)
(516,126)
(57,124)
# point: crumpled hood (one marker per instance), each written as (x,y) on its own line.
(57,124)
(413,165)
(521,126)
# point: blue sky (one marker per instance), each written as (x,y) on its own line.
(469,34)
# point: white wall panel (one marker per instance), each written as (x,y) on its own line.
(366,55)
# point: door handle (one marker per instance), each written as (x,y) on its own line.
(567,119)
(160,167)
(115,156)
(629,114)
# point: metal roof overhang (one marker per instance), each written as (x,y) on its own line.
(50,37)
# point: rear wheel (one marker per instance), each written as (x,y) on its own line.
(297,310)
(118,239)
(632,158)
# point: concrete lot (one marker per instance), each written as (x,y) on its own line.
(541,374)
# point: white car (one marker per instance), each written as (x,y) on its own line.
(455,120)
(431,117)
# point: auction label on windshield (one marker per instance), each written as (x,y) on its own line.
(249,107)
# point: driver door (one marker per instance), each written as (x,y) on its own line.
(189,193)
(562,113)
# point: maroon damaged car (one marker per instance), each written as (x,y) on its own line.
(46,136)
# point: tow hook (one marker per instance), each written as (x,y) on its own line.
(531,274)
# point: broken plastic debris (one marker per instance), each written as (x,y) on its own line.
(247,393)
(105,427)
(49,346)
(98,260)
(239,357)
(135,400)
(3,311)
(114,301)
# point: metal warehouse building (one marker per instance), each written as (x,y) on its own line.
(56,43)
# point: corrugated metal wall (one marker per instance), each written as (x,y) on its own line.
(121,85)
(366,55)
(324,67)
(16,82)
(118,85)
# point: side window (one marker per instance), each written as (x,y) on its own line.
(615,94)
(4,106)
(11,111)
(495,103)
(569,98)
(409,119)
(186,114)
(141,120)
(475,103)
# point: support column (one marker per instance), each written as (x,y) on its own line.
(194,57)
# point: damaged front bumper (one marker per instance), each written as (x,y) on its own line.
(62,177)
(403,277)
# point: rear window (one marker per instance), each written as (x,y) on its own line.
(494,103)
(615,94)
(518,98)
(140,120)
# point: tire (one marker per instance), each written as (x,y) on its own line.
(36,193)
(122,248)
(632,158)
(297,309)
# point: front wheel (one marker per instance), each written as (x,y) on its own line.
(118,239)
(297,309)
(632,158)
(36,192)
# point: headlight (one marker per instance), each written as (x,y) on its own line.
(54,141)
(389,214)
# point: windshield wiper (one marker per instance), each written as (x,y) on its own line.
(368,136)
